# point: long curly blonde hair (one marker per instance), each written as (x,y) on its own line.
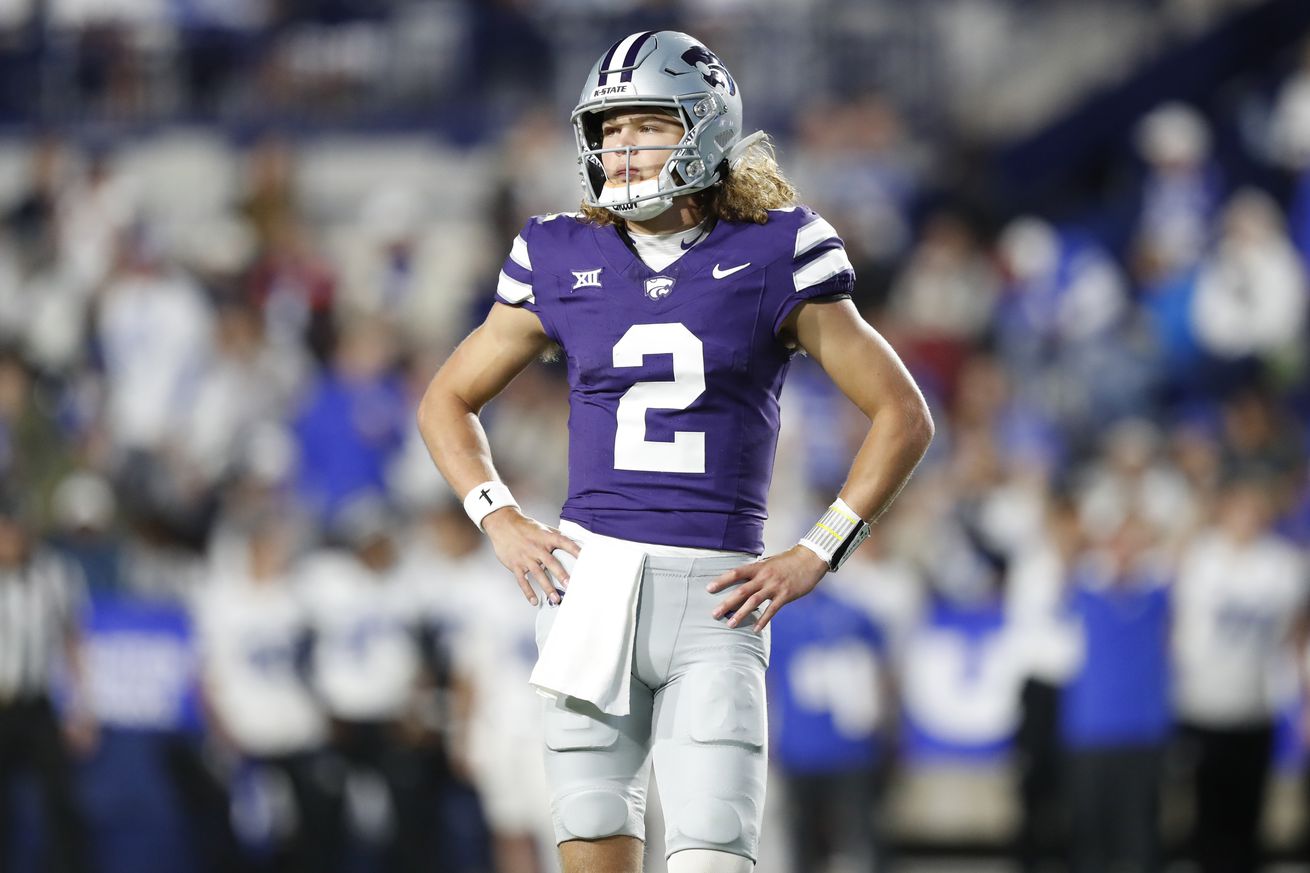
(754,185)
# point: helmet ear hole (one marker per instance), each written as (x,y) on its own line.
(595,173)
(592,130)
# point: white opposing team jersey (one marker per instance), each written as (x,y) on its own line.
(1047,642)
(366,659)
(250,642)
(1235,607)
(488,627)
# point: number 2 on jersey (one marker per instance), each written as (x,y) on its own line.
(632,451)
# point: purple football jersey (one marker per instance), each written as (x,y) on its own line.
(674,374)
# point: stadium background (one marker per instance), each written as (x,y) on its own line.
(241,235)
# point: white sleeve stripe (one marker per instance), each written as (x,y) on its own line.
(821,269)
(519,254)
(812,234)
(513,290)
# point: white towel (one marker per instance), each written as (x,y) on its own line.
(588,653)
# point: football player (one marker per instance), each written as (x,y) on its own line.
(678,294)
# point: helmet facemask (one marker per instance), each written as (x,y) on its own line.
(685,171)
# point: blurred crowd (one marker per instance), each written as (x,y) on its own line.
(210,409)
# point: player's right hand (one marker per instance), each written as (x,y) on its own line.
(525,547)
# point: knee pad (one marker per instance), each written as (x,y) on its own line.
(724,704)
(709,820)
(712,770)
(708,861)
(596,776)
(592,813)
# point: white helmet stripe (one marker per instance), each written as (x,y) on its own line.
(616,57)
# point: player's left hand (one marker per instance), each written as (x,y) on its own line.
(779,580)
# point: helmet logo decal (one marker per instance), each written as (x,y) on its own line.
(658,287)
(707,63)
(628,49)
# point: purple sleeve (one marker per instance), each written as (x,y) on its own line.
(519,285)
(818,267)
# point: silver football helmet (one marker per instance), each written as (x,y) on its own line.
(674,72)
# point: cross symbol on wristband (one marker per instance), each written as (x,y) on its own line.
(485,495)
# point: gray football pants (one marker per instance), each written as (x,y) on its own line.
(697,712)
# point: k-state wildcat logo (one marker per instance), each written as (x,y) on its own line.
(658,287)
(707,63)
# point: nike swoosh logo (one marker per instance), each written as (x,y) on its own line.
(723,274)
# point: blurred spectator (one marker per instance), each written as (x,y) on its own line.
(1261,439)
(1060,326)
(1251,295)
(1025,433)
(247,383)
(1181,191)
(33,451)
(1240,604)
(1130,479)
(32,218)
(1182,367)
(942,301)
(254,641)
(270,202)
(95,211)
(39,638)
(1115,716)
(155,330)
(43,299)
(987,516)
(294,288)
(1060,288)
(1195,453)
(1289,146)
(367,667)
(353,419)
(83,512)
(489,629)
(831,713)
(1048,649)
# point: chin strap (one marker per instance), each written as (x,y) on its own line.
(738,151)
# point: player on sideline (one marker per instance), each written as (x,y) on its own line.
(678,295)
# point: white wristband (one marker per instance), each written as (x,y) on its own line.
(486,499)
(836,534)
(826,557)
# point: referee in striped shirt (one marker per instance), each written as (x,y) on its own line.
(38,623)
